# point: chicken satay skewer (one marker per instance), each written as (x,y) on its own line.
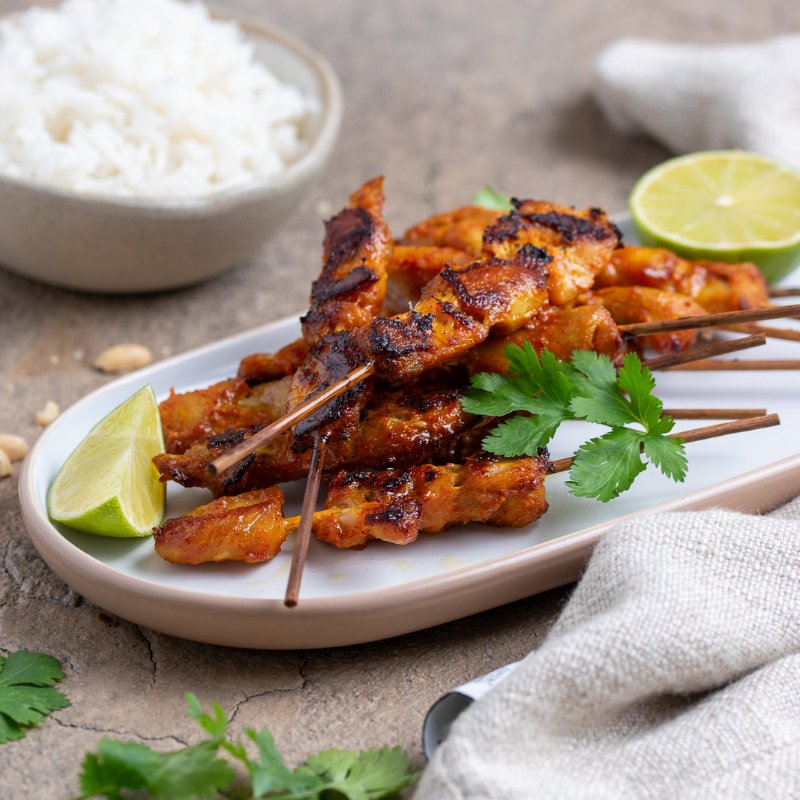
(307,515)
(787,292)
(394,505)
(248,446)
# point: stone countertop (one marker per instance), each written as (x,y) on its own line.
(441,99)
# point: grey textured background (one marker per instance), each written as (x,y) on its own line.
(440,98)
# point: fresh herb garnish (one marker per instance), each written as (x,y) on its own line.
(587,387)
(26,696)
(489,197)
(198,771)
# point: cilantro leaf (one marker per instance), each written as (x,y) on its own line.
(25,694)
(270,772)
(600,399)
(548,392)
(539,385)
(639,383)
(495,396)
(118,769)
(489,197)
(544,375)
(669,455)
(370,775)
(521,436)
(216,727)
(606,466)
(180,775)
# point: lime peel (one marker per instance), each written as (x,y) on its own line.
(108,485)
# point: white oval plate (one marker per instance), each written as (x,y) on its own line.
(356,596)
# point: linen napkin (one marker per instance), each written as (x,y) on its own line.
(703,97)
(673,672)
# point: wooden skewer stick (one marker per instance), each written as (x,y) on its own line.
(768,331)
(698,434)
(236,454)
(710,320)
(306,521)
(672,360)
(787,292)
(714,413)
(739,365)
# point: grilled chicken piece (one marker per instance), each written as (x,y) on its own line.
(393,505)
(715,286)
(348,294)
(192,417)
(579,244)
(409,269)
(640,304)
(261,367)
(561,331)
(456,311)
(399,428)
(461,229)
(355,254)
(412,266)
(239,528)
(397,505)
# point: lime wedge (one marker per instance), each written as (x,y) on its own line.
(724,205)
(109,485)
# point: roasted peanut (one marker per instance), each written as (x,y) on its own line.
(5,464)
(47,414)
(15,447)
(123,358)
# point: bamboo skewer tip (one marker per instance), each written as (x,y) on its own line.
(303,537)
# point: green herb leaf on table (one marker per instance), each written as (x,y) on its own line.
(548,392)
(26,696)
(489,197)
(118,768)
(270,773)
(369,775)
(180,775)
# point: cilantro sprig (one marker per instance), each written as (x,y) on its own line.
(588,387)
(198,771)
(26,693)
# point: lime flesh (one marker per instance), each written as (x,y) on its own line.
(723,206)
(109,485)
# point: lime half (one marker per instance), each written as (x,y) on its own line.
(109,485)
(724,205)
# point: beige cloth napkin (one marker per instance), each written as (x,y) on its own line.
(705,97)
(673,672)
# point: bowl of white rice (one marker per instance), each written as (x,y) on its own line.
(147,145)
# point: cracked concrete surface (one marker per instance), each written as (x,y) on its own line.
(442,99)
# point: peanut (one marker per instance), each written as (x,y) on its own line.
(123,358)
(47,414)
(15,447)
(5,464)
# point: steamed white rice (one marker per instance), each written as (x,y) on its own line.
(141,98)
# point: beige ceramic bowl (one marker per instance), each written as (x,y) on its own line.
(128,245)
